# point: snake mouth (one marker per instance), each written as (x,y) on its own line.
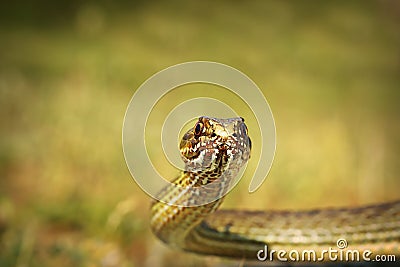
(189,152)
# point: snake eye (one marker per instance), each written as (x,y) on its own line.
(198,128)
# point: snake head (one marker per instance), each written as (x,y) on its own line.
(210,138)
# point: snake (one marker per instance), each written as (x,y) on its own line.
(185,213)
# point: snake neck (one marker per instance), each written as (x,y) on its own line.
(181,198)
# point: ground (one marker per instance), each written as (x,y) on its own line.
(329,71)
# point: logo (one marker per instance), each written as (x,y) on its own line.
(136,127)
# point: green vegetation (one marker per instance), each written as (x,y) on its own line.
(68,69)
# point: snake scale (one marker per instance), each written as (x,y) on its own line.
(214,151)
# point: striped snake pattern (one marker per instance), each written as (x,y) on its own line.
(214,151)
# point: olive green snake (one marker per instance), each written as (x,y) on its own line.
(214,151)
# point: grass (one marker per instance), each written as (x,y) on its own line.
(328,70)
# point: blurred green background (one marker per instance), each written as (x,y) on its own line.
(330,71)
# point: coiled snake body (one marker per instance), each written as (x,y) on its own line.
(214,150)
